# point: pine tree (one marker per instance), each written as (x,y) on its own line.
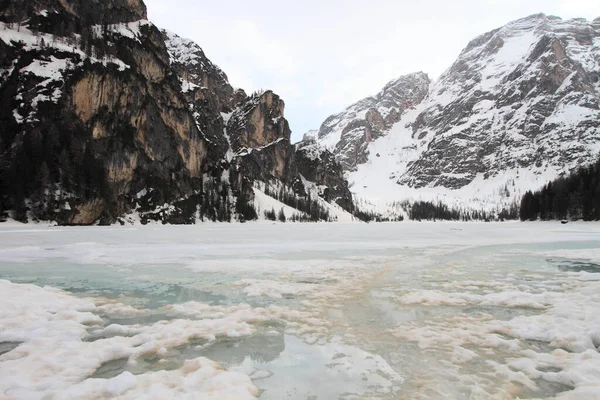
(281,215)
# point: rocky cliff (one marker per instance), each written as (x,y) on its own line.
(526,96)
(520,106)
(320,166)
(104,115)
(349,133)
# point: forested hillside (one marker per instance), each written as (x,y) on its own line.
(575,196)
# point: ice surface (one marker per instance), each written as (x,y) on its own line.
(242,311)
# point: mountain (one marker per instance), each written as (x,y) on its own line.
(106,118)
(349,133)
(520,106)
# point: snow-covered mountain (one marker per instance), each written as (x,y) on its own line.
(520,105)
(349,133)
(106,118)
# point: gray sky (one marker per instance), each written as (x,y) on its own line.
(322,55)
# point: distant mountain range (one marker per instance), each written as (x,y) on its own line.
(106,118)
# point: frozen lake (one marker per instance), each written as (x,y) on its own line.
(316,311)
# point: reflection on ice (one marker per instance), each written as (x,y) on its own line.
(5,347)
(325,371)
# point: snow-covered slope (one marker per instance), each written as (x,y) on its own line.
(263,203)
(525,96)
(349,133)
(520,106)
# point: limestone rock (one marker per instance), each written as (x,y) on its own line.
(320,166)
(104,115)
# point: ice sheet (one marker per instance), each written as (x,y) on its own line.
(328,310)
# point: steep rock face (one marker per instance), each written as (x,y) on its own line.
(259,122)
(105,115)
(205,88)
(100,114)
(349,133)
(320,166)
(199,76)
(260,139)
(249,134)
(524,96)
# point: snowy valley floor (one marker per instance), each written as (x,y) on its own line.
(315,311)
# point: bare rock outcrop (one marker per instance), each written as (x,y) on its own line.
(349,133)
(260,139)
(525,96)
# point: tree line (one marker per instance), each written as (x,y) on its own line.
(313,211)
(575,196)
(429,211)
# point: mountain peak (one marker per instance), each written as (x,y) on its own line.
(533,17)
(350,132)
(407,79)
(534,20)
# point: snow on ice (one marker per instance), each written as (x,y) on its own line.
(247,310)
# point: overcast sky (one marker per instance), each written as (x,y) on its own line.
(322,55)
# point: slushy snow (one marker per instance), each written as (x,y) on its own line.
(240,311)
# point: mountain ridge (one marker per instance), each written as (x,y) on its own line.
(517,108)
(109,119)
(349,132)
